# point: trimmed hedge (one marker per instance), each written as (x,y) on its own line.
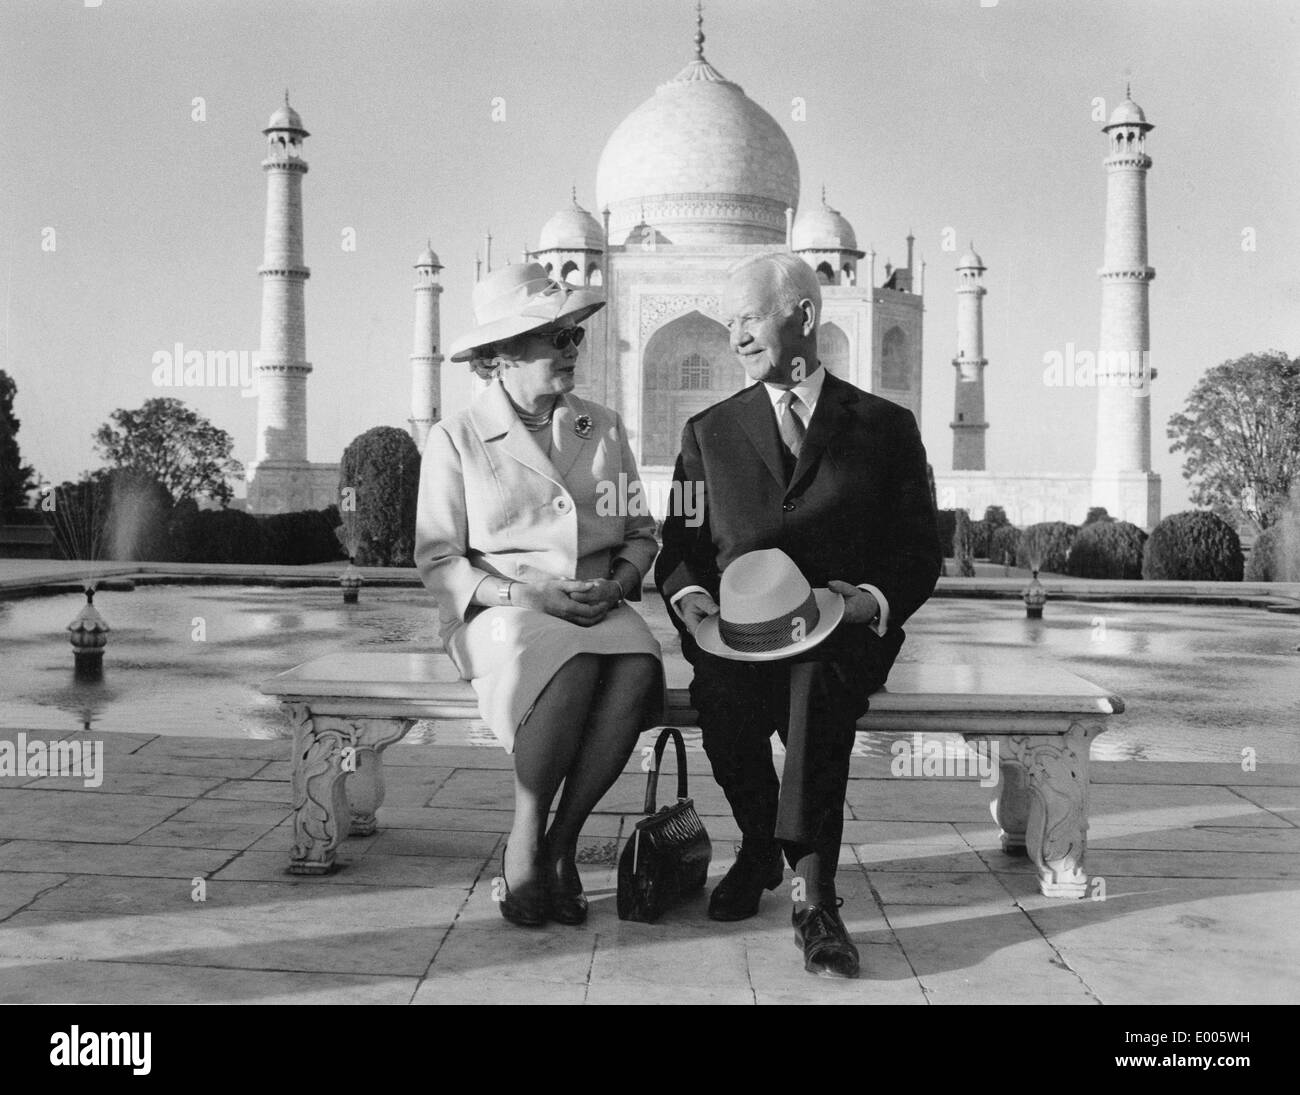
(306,536)
(1195,545)
(946,519)
(1106,548)
(1045,546)
(1004,541)
(379,479)
(961,545)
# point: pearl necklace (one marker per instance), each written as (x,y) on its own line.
(534,423)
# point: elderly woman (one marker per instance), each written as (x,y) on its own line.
(532,575)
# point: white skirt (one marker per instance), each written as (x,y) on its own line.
(510,655)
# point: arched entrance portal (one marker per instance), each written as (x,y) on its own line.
(687,365)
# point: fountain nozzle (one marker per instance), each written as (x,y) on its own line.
(88,634)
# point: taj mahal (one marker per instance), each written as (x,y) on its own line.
(695,178)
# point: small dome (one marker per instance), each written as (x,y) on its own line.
(1127,113)
(572,229)
(428,258)
(286,118)
(823,229)
(971,260)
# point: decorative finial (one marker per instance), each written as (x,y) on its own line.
(643,210)
(823,193)
(699,30)
(573,193)
(1128,89)
(286,96)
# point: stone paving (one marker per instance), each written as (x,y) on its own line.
(1197,863)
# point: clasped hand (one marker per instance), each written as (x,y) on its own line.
(580,602)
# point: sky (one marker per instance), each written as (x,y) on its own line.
(132,202)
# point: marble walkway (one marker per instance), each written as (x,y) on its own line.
(1195,867)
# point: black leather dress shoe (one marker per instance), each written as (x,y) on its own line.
(528,910)
(736,896)
(566,903)
(821,935)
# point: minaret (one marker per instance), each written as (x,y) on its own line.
(426,361)
(968,423)
(1122,479)
(276,480)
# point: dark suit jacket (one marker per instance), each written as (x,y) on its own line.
(857,508)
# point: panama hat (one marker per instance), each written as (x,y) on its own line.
(768,611)
(517,299)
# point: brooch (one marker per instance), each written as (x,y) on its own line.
(583,426)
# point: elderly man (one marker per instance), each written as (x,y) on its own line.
(836,478)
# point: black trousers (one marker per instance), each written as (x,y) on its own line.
(741,703)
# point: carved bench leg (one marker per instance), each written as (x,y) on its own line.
(1010,806)
(365,783)
(1054,773)
(329,754)
(319,799)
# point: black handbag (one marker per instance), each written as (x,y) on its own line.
(667,858)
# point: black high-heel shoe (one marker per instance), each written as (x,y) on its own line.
(566,903)
(527,912)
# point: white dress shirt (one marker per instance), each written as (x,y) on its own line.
(807,393)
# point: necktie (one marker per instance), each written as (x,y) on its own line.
(791,425)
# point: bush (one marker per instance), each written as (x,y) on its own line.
(1195,545)
(1005,541)
(1095,514)
(981,532)
(382,470)
(961,548)
(227,536)
(306,536)
(1106,548)
(947,522)
(1045,546)
(995,517)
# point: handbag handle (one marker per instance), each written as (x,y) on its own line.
(653,782)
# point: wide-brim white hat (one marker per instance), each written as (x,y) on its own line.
(517,299)
(768,611)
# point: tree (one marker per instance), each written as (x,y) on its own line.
(379,484)
(173,444)
(1241,433)
(1095,514)
(16,478)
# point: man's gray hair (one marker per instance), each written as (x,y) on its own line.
(795,279)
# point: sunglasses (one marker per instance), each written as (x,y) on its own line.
(565,337)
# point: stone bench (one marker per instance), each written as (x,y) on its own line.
(347,708)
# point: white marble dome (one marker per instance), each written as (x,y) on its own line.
(285,118)
(706,163)
(1127,113)
(572,229)
(822,229)
(970,260)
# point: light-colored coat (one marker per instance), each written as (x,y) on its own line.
(492,504)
